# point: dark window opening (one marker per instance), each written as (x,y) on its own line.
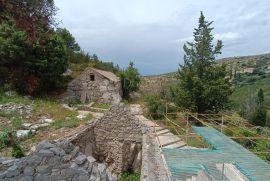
(92,77)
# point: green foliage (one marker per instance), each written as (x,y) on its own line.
(202,84)
(17,123)
(267,122)
(254,109)
(71,122)
(68,39)
(3,139)
(29,47)
(260,97)
(6,141)
(102,106)
(17,151)
(13,46)
(130,176)
(262,146)
(130,79)
(156,106)
(259,116)
(242,91)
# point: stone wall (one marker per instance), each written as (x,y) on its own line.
(53,161)
(115,139)
(101,90)
(153,163)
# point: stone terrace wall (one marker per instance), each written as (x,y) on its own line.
(101,90)
(115,139)
(57,161)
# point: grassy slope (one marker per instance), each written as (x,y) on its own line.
(241,93)
(65,120)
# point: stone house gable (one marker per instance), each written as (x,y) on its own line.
(95,85)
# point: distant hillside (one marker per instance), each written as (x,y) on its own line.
(247,73)
(251,58)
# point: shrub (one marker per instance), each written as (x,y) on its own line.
(130,79)
(130,176)
(3,140)
(262,146)
(267,123)
(17,151)
(156,106)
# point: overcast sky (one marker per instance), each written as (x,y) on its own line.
(151,33)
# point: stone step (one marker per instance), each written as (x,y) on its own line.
(179,144)
(161,132)
(157,129)
(171,143)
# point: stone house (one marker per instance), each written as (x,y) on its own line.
(95,85)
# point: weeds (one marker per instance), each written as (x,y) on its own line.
(102,106)
(68,123)
(130,175)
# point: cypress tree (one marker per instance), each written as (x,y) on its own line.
(202,84)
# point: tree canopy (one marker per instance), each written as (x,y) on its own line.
(33,57)
(130,79)
(202,84)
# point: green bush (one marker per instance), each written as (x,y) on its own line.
(3,140)
(262,146)
(156,106)
(130,79)
(17,151)
(267,123)
(130,176)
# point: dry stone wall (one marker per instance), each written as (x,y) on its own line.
(115,139)
(101,90)
(53,161)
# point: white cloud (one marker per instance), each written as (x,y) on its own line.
(226,36)
(185,39)
(154,31)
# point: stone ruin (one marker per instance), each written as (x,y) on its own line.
(115,143)
(115,139)
(95,85)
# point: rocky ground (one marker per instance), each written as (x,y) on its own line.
(32,121)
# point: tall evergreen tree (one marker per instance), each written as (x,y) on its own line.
(260,97)
(130,79)
(202,84)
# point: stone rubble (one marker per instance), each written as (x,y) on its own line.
(21,134)
(53,161)
(18,108)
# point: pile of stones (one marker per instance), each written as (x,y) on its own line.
(53,161)
(18,108)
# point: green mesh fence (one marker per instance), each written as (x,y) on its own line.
(185,163)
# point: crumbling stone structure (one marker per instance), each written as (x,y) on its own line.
(105,149)
(115,139)
(96,86)
(53,161)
